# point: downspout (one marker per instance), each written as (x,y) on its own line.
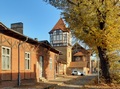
(20,43)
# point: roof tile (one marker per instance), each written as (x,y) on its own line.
(78,64)
(60,25)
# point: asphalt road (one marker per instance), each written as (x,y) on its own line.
(76,83)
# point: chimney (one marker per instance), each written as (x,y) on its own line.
(36,39)
(17,27)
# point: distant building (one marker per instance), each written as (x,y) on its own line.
(80,59)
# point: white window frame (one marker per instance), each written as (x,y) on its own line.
(54,37)
(57,37)
(60,37)
(7,63)
(27,64)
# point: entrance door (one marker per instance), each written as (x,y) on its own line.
(41,66)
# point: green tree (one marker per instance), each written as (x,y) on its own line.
(96,23)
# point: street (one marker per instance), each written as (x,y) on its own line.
(62,82)
(76,83)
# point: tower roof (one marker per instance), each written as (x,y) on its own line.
(60,25)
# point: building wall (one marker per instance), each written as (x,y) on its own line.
(63,49)
(50,66)
(69,55)
(49,59)
(12,74)
(66,53)
(10,77)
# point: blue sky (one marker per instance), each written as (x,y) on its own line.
(37,16)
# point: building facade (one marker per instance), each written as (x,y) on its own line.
(23,58)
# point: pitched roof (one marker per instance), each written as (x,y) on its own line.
(79,48)
(78,54)
(46,42)
(76,45)
(78,64)
(60,25)
(7,31)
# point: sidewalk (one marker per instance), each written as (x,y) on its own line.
(50,84)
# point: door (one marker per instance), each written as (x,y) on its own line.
(41,66)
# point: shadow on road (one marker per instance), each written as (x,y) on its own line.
(67,82)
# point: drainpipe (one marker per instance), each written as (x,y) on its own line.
(20,43)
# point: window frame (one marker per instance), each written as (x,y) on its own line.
(6,55)
(27,66)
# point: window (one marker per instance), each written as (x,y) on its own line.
(27,60)
(54,32)
(65,38)
(6,61)
(80,58)
(57,32)
(57,37)
(50,61)
(51,37)
(60,37)
(54,37)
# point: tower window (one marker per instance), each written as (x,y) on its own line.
(57,32)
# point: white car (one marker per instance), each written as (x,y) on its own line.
(76,72)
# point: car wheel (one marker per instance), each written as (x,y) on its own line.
(72,74)
(81,74)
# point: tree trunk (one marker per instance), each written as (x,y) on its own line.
(104,64)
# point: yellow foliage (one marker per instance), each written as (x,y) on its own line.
(85,20)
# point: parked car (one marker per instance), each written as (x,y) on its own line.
(76,72)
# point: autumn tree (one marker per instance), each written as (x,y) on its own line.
(96,23)
(114,59)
